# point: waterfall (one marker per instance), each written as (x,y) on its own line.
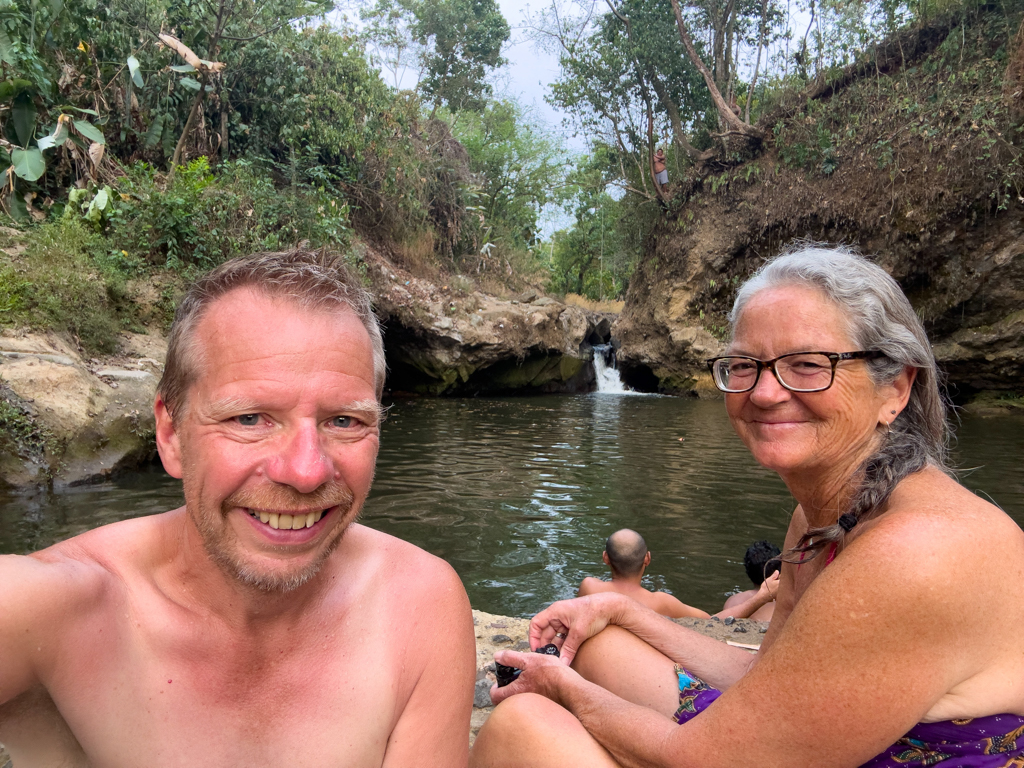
(608,380)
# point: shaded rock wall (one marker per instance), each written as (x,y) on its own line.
(441,340)
(66,420)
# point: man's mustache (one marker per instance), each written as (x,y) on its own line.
(285,499)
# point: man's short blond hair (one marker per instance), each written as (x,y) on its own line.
(314,280)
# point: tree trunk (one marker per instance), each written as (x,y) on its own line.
(678,135)
(731,120)
(757,61)
(225,112)
(200,97)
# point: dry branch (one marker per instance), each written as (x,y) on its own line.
(186,53)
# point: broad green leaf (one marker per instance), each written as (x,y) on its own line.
(154,132)
(133,66)
(99,203)
(23,113)
(6,48)
(90,131)
(190,83)
(28,163)
(92,112)
(183,68)
(56,6)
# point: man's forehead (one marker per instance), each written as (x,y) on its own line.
(248,324)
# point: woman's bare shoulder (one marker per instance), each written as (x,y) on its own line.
(934,508)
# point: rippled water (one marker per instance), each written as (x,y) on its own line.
(519,494)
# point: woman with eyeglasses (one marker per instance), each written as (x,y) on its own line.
(898,634)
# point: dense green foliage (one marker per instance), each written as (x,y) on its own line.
(253,125)
(155,139)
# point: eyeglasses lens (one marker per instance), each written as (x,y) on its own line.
(806,373)
(802,373)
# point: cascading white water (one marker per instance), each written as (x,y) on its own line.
(608,381)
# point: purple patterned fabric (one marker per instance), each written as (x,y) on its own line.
(996,741)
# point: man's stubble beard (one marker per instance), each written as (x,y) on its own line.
(231,560)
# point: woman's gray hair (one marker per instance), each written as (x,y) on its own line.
(879,318)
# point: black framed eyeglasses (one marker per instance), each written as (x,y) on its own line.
(797,371)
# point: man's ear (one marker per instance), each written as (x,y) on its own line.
(167,443)
(647,558)
(604,559)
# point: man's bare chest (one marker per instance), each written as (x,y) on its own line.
(146,700)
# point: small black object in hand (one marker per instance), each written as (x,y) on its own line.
(506,674)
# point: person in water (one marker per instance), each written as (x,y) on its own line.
(627,556)
(258,624)
(760,561)
(897,633)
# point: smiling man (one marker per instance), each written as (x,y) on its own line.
(257,625)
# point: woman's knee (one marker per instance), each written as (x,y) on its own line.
(622,663)
(610,647)
(531,730)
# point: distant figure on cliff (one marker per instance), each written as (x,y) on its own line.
(760,561)
(660,171)
(258,624)
(627,555)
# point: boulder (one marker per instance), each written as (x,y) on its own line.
(65,420)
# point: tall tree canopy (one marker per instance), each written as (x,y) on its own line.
(454,43)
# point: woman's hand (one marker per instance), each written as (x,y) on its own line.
(540,674)
(569,623)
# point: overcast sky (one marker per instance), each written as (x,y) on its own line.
(530,70)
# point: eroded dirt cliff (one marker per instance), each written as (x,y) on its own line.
(915,164)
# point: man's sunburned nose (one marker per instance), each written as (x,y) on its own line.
(302,462)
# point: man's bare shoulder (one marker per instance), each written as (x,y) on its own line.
(122,546)
(592,584)
(673,607)
(80,564)
(402,571)
(75,573)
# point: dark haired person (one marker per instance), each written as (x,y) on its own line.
(760,561)
(896,639)
(258,624)
(627,556)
